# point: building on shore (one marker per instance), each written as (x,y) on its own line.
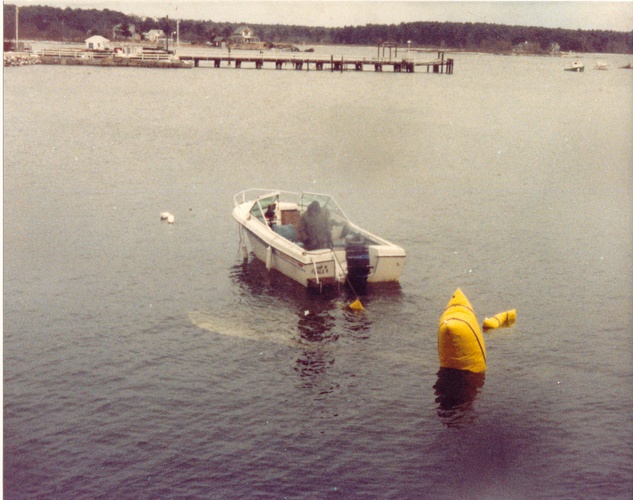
(97,42)
(219,41)
(154,35)
(243,34)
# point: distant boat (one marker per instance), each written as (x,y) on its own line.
(628,66)
(602,65)
(576,66)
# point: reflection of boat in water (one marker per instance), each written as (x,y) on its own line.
(303,318)
(272,221)
(576,66)
(308,324)
(456,391)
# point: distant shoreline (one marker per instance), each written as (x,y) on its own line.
(262,46)
(30,56)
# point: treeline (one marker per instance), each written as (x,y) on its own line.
(490,37)
(75,25)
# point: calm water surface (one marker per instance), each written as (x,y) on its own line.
(143,360)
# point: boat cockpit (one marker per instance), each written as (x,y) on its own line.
(282,214)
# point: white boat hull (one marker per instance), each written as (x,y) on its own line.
(316,269)
(321,267)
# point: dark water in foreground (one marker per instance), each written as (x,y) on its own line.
(146,360)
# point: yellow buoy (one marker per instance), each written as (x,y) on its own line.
(500,320)
(356,305)
(460,343)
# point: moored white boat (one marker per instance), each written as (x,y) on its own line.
(601,65)
(576,66)
(271,221)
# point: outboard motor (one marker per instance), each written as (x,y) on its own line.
(357,256)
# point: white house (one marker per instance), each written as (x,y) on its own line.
(243,34)
(154,35)
(97,43)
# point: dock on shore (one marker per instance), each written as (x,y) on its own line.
(162,59)
(106,58)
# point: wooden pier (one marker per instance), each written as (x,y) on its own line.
(279,60)
(338,64)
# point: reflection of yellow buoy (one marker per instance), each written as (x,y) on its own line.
(460,343)
(500,320)
(456,391)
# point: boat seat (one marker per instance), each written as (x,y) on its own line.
(289,232)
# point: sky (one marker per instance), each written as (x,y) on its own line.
(616,16)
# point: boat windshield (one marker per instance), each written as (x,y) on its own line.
(324,200)
(262,204)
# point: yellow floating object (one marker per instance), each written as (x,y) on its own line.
(500,320)
(356,305)
(460,343)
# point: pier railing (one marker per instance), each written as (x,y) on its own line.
(87,54)
(73,53)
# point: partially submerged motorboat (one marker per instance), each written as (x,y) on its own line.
(272,222)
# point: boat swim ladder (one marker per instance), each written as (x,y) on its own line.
(242,244)
(316,273)
(269,258)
